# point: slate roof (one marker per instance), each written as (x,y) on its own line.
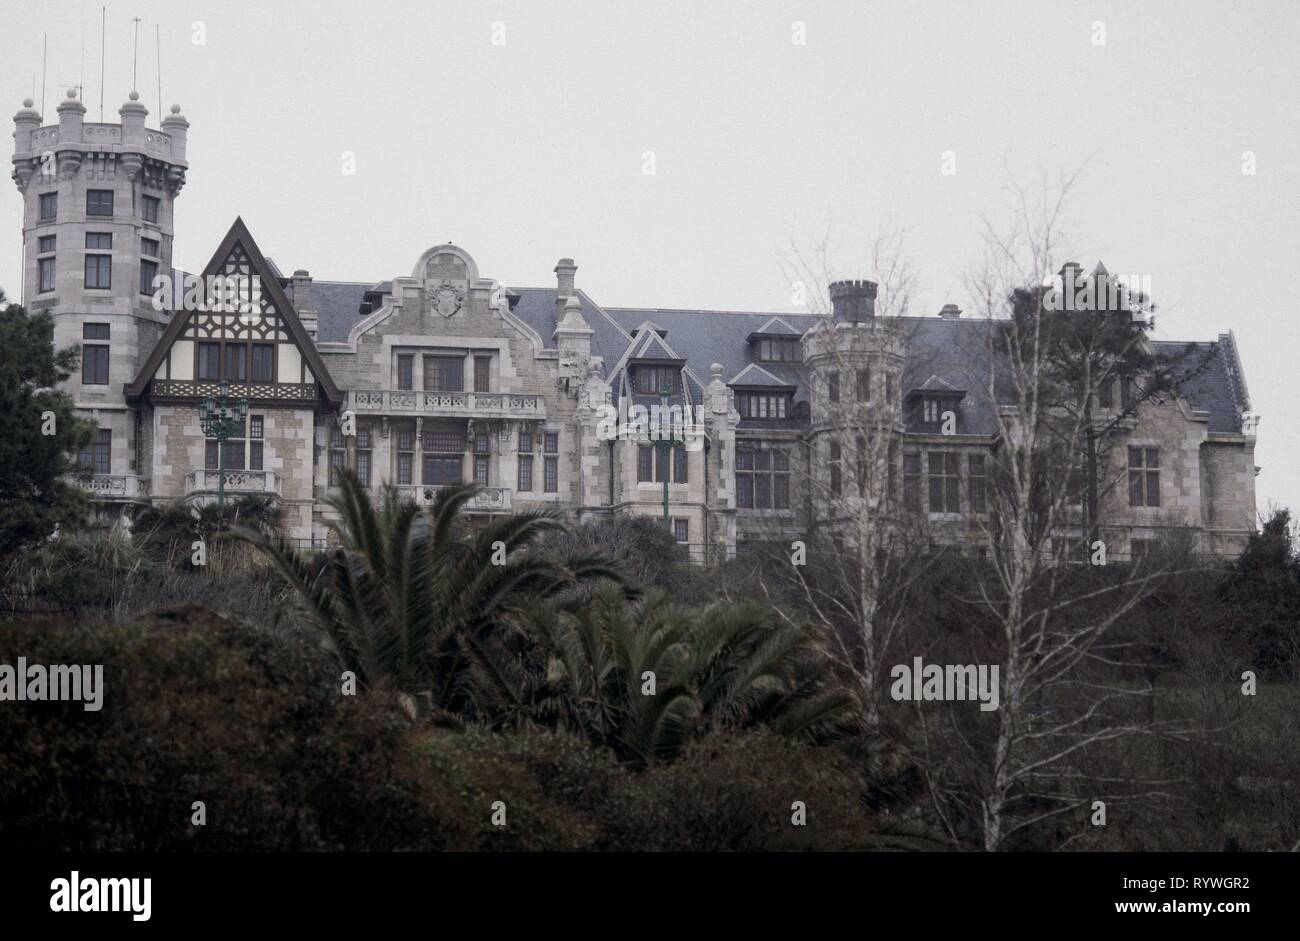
(1212,388)
(755,376)
(941,351)
(776,327)
(609,340)
(337,305)
(705,337)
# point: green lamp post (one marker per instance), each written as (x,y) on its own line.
(221,419)
(667,440)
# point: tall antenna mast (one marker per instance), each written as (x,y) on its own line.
(81,82)
(45,48)
(135,54)
(103,22)
(157,58)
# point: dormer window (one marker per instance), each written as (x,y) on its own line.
(651,380)
(930,403)
(778,351)
(761,404)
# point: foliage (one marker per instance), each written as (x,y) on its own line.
(35,496)
(1263,589)
(196,708)
(645,551)
(166,533)
(252,723)
(421,604)
(725,666)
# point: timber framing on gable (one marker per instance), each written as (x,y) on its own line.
(275,323)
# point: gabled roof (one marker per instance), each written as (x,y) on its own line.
(756,375)
(239,236)
(776,327)
(936,386)
(648,343)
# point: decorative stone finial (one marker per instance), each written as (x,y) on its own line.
(27,102)
(72,93)
(134,96)
(176,109)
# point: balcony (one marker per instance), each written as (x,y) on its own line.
(486,500)
(203,483)
(446,404)
(116,487)
(259,393)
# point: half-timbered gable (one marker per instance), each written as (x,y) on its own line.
(236,331)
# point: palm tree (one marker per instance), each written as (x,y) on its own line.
(727,666)
(421,604)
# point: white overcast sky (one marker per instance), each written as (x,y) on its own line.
(532,150)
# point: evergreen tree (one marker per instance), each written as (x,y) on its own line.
(39,434)
(1098,369)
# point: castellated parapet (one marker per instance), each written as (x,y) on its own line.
(97,231)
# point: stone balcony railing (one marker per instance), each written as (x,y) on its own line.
(238,482)
(116,487)
(174,389)
(446,404)
(485,500)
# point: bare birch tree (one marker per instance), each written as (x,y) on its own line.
(862,550)
(1066,679)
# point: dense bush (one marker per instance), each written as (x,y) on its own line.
(196,708)
(104,577)
(645,551)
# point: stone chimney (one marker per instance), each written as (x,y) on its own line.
(300,297)
(564,272)
(1070,273)
(572,339)
(853,301)
(950,312)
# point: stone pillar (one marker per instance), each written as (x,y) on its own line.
(721,419)
(381,457)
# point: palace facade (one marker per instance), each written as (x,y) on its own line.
(443,375)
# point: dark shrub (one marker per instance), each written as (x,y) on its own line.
(196,708)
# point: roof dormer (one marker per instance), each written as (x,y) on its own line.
(931,399)
(775,342)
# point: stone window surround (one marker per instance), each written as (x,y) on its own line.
(506,377)
(1145,509)
(658,485)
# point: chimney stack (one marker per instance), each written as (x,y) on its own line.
(1071,271)
(853,301)
(300,297)
(564,272)
(950,312)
